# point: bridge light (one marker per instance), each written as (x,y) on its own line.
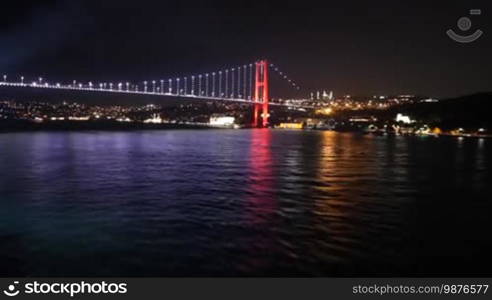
(200,85)
(4,78)
(193,85)
(22,79)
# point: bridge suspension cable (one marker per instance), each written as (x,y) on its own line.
(284,76)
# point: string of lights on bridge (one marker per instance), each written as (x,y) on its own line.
(235,83)
(285,77)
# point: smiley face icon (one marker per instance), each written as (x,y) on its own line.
(11,291)
(464,24)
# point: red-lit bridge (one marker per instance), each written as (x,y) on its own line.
(246,84)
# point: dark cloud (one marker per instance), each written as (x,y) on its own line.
(348,46)
(40,30)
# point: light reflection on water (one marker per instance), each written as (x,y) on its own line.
(244,203)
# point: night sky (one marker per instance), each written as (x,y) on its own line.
(355,47)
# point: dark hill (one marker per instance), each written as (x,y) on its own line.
(472,111)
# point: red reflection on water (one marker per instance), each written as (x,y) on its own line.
(261,175)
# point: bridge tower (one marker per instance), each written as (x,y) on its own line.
(261,94)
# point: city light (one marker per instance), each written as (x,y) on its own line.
(325,111)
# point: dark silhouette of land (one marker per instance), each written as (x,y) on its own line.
(472,111)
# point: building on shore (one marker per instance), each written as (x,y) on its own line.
(222,121)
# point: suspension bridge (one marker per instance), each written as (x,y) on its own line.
(247,83)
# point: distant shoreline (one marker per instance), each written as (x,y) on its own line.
(19,126)
(28,126)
